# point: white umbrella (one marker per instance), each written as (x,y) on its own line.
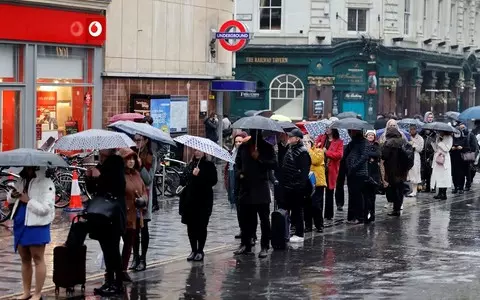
(24,157)
(206,146)
(146,130)
(94,139)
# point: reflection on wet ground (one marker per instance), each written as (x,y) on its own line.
(431,252)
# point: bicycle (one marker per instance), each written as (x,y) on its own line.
(5,187)
(167,179)
(63,185)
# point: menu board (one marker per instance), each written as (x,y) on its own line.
(179,114)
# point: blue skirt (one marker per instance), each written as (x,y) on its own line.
(28,235)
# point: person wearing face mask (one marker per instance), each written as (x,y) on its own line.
(196,202)
(414,176)
(460,167)
(136,204)
(473,147)
(426,156)
(441,165)
(374,178)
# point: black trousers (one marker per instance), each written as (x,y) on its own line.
(339,190)
(473,172)
(329,210)
(249,214)
(295,200)
(394,193)
(313,209)
(110,245)
(370,193)
(356,201)
(197,233)
(460,173)
(426,175)
(143,237)
(240,220)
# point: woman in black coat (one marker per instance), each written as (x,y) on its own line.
(374,177)
(460,167)
(196,201)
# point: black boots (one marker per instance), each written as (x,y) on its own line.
(111,287)
(135,262)
(442,194)
(142,265)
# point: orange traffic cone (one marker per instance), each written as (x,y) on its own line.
(75,199)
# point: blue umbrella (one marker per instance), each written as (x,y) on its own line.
(472,113)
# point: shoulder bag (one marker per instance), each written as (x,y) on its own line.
(468,156)
(102,207)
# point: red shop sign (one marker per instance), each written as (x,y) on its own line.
(39,24)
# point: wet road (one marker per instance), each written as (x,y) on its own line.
(431,252)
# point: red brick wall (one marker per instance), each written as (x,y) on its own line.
(117,91)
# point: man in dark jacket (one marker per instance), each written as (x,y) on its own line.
(254,161)
(211,125)
(295,169)
(473,147)
(395,169)
(356,167)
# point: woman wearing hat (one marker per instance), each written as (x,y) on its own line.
(374,177)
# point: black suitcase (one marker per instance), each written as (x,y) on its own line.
(69,268)
(280,229)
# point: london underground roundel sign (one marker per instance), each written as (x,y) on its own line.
(241,36)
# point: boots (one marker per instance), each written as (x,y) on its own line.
(142,265)
(107,285)
(135,262)
(442,194)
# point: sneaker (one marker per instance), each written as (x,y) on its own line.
(297,239)
(199,257)
(412,195)
(401,207)
(191,256)
(263,253)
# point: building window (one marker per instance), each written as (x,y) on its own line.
(270,14)
(357,20)
(406,18)
(425,4)
(453,13)
(11,63)
(440,10)
(286,96)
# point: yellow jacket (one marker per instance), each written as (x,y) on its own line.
(318,165)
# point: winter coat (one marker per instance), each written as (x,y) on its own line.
(414,175)
(252,176)
(356,158)
(334,156)
(196,200)
(211,129)
(41,206)
(426,156)
(318,166)
(442,174)
(374,153)
(394,164)
(295,167)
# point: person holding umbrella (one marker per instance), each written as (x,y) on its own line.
(460,167)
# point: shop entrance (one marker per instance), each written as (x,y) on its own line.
(10,128)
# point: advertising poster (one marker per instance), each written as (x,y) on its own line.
(178,114)
(318,107)
(160,112)
(372,83)
(46,103)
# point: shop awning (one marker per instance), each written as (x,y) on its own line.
(442,67)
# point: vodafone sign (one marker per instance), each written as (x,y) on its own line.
(39,24)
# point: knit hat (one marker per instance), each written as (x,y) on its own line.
(370,131)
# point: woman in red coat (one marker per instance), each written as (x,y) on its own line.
(333,147)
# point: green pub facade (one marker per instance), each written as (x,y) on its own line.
(311,81)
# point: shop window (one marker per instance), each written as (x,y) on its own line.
(62,110)
(270,14)
(10,108)
(357,20)
(64,65)
(11,63)
(286,96)
(406,18)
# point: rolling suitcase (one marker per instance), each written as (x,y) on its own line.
(69,268)
(280,231)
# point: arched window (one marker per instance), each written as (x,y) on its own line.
(286,96)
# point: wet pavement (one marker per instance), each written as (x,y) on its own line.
(431,252)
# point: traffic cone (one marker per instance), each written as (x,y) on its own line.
(75,199)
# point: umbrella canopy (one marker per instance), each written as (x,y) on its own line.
(94,139)
(281,118)
(206,146)
(147,130)
(352,124)
(410,121)
(347,114)
(264,113)
(472,113)
(404,131)
(439,126)
(25,157)
(317,128)
(287,125)
(259,123)
(126,117)
(452,115)
(251,113)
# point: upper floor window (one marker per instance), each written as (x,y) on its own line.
(406,18)
(357,20)
(270,14)
(453,14)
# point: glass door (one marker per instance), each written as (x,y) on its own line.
(10,117)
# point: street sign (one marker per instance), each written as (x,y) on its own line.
(233,86)
(241,35)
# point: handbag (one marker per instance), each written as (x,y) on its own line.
(140,202)
(468,156)
(102,207)
(440,159)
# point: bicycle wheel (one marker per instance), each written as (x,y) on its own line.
(158,184)
(4,207)
(63,186)
(172,181)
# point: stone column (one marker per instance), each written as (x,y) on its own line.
(415,90)
(460,86)
(444,86)
(470,93)
(432,84)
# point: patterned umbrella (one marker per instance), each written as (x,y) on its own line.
(126,117)
(407,122)
(206,146)
(147,130)
(315,129)
(94,139)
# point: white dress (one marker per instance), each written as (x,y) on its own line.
(442,174)
(414,175)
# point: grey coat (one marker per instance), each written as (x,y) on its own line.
(149,180)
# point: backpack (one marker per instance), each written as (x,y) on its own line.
(407,155)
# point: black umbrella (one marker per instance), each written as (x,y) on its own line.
(439,126)
(264,113)
(287,125)
(452,115)
(251,113)
(351,123)
(347,114)
(410,121)
(259,123)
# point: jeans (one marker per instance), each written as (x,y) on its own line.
(313,208)
(394,193)
(197,233)
(145,239)
(294,200)
(249,214)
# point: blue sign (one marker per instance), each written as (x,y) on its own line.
(233,86)
(160,113)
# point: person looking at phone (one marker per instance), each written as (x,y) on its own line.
(34,198)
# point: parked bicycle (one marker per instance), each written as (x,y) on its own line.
(6,185)
(167,178)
